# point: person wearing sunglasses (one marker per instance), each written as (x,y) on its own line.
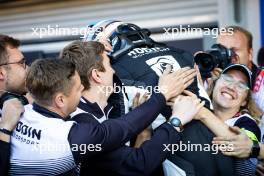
(233,106)
(240,41)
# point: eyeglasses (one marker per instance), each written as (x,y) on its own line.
(21,62)
(230,80)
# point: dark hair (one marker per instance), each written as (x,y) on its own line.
(6,41)
(46,77)
(260,58)
(86,56)
(245,32)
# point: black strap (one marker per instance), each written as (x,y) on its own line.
(3,130)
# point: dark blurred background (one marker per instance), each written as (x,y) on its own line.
(19,18)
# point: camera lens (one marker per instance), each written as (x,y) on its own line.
(204,61)
(218,56)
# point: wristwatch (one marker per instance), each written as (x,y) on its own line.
(176,122)
(5,131)
(255,149)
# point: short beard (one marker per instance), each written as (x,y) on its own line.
(19,90)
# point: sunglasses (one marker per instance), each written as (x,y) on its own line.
(230,80)
(21,62)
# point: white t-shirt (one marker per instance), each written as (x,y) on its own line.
(39,145)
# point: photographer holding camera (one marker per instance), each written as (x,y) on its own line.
(235,47)
(240,44)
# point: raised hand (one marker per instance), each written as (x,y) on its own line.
(172,84)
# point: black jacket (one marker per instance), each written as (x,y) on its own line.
(109,134)
(201,162)
(126,160)
(4,157)
(112,134)
(143,66)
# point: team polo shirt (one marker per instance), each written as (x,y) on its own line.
(39,144)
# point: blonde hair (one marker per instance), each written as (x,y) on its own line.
(250,108)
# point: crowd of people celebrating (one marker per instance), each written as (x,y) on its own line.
(61,116)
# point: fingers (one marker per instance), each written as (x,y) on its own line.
(260,170)
(172,84)
(169,103)
(167,70)
(198,104)
(188,77)
(29,98)
(11,112)
(181,70)
(14,102)
(143,98)
(185,73)
(230,153)
(179,74)
(106,44)
(194,98)
(201,105)
(189,93)
(177,99)
(223,139)
(261,167)
(196,101)
(108,47)
(199,77)
(216,72)
(235,129)
(188,83)
(136,100)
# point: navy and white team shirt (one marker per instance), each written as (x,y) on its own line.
(42,143)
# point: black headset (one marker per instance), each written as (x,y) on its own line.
(129,36)
(126,37)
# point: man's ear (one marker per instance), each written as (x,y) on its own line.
(59,100)
(2,74)
(95,76)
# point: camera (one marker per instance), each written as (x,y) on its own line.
(219,56)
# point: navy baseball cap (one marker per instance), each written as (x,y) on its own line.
(242,68)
